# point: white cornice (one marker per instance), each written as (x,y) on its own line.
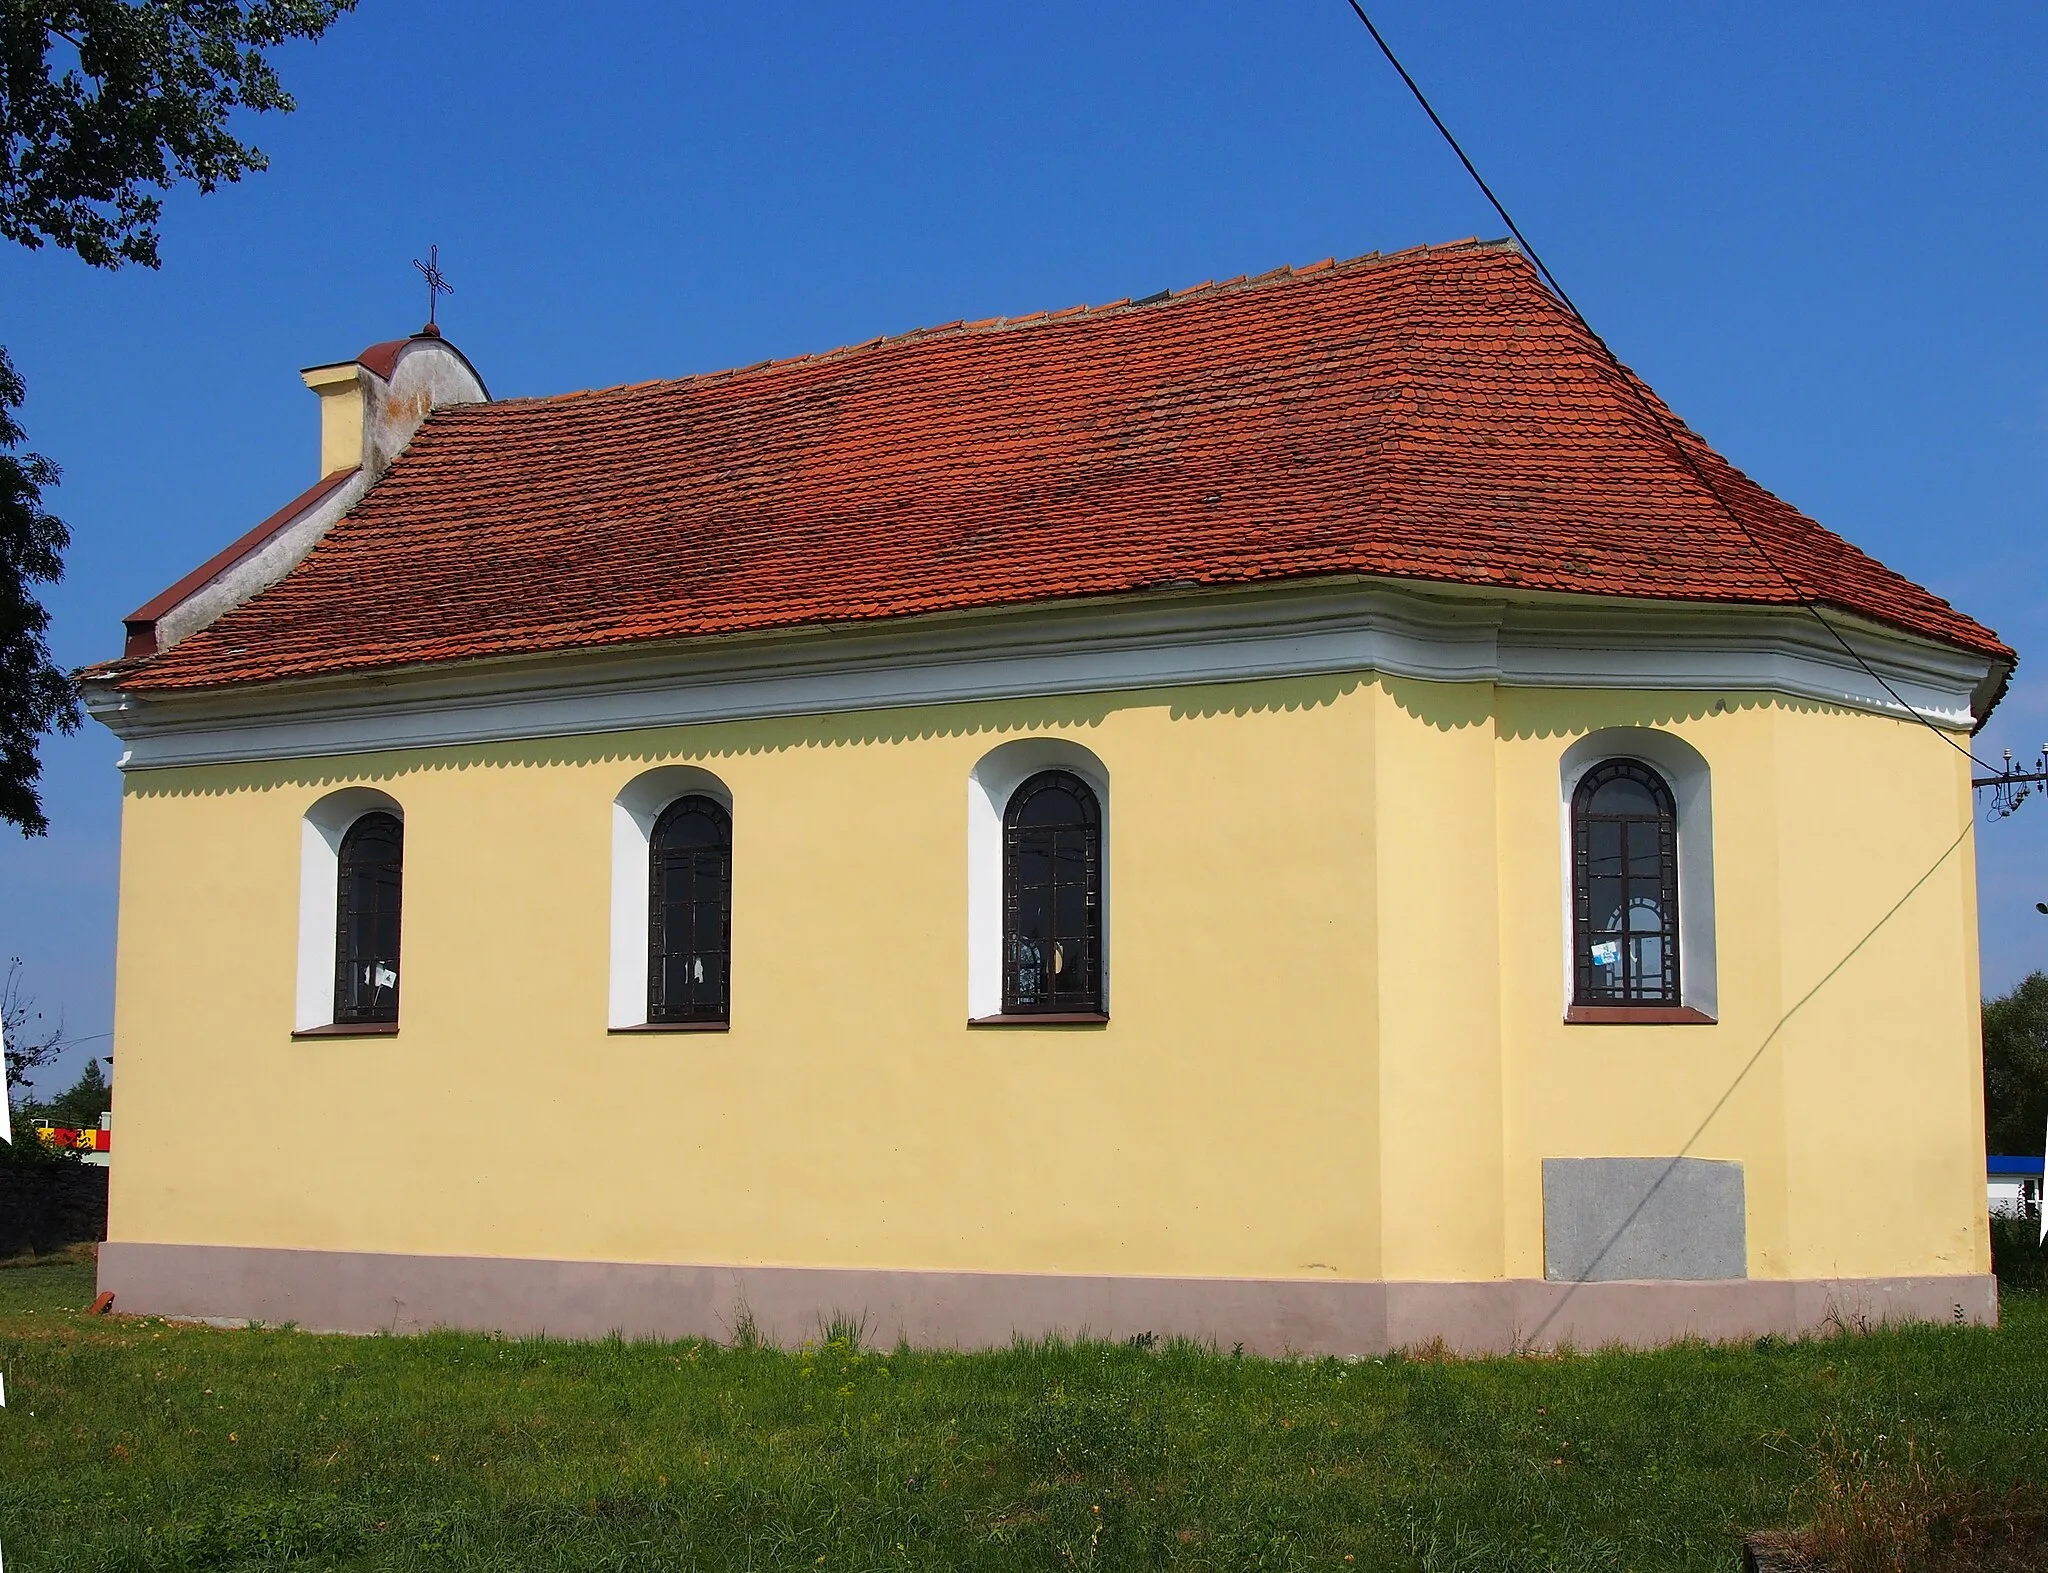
(1066,648)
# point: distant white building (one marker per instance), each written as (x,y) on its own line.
(2014,1186)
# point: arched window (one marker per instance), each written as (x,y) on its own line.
(369,881)
(1625,886)
(1052,897)
(689,912)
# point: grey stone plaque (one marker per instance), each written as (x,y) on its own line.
(1611,1218)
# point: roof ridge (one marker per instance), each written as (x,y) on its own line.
(1328,267)
(1754,509)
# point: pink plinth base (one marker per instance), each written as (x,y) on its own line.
(360,1292)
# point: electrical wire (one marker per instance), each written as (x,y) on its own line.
(1692,1141)
(1649,406)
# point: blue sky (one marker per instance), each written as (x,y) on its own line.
(1818,230)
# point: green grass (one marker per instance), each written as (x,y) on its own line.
(2017,1255)
(133,1444)
(59,1284)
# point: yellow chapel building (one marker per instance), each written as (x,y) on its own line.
(1308,812)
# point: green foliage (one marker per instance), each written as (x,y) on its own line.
(2017,1255)
(105,104)
(30,1151)
(34,695)
(136,1444)
(2016,1068)
(81,1104)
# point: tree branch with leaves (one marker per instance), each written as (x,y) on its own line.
(32,1043)
(105,105)
(2016,1068)
(35,697)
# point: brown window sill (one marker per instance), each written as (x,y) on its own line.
(351,1029)
(672,1026)
(1049,1018)
(1640,1015)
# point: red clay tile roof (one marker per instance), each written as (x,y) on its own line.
(1432,415)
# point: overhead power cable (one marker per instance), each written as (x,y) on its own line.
(1641,395)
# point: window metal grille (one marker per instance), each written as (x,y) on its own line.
(1052,897)
(1625,887)
(370,880)
(689,913)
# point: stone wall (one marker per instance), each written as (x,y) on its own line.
(47,1207)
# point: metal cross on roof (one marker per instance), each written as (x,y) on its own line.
(436,284)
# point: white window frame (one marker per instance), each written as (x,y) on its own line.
(1686,772)
(990,785)
(320,835)
(639,804)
